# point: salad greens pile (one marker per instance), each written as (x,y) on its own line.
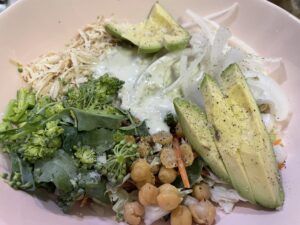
(71,147)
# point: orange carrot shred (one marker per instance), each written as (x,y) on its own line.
(277,142)
(281,165)
(181,166)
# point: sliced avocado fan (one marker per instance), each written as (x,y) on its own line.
(200,135)
(159,31)
(227,135)
(255,148)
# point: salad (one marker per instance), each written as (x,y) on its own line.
(164,119)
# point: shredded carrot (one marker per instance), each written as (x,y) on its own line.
(181,166)
(277,142)
(84,202)
(281,165)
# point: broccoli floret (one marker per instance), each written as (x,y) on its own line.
(17,108)
(115,168)
(86,156)
(118,136)
(43,143)
(15,181)
(94,94)
(54,109)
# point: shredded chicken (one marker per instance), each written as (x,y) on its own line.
(55,72)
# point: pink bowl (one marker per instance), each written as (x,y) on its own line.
(32,27)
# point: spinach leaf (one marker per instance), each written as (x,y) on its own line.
(59,170)
(193,172)
(87,121)
(100,140)
(94,186)
(25,170)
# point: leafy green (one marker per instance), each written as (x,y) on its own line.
(193,172)
(21,176)
(94,186)
(100,139)
(60,170)
(170,120)
(139,129)
(87,121)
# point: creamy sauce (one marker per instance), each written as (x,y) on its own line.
(145,79)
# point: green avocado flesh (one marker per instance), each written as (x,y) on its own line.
(227,135)
(159,31)
(194,122)
(241,138)
(255,148)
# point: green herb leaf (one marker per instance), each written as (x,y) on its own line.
(59,170)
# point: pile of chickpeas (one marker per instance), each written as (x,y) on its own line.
(155,188)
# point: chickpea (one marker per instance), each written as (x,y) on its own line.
(187,154)
(147,139)
(150,179)
(168,188)
(169,197)
(168,157)
(148,194)
(133,213)
(179,131)
(203,212)
(141,170)
(163,138)
(201,191)
(181,215)
(167,175)
(144,149)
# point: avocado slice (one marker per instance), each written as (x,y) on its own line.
(256,149)
(159,31)
(227,135)
(197,131)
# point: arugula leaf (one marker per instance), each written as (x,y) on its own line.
(193,172)
(59,170)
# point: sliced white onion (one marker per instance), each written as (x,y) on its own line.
(280,153)
(217,56)
(266,90)
(153,213)
(234,55)
(225,196)
(189,200)
(268,120)
(200,21)
(225,12)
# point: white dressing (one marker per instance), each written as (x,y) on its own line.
(144,82)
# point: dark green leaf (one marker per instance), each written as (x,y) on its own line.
(59,170)
(22,167)
(193,171)
(87,121)
(139,129)
(99,139)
